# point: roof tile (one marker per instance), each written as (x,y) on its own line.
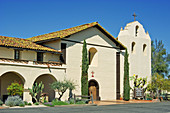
(23,43)
(62,33)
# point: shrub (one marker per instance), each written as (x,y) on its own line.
(36,103)
(1,103)
(29,104)
(9,102)
(68,102)
(45,101)
(18,101)
(81,102)
(15,89)
(49,104)
(25,102)
(21,105)
(71,101)
(56,102)
(14,101)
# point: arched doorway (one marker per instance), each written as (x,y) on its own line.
(47,79)
(6,79)
(94,89)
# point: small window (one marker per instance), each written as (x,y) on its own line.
(63,55)
(40,56)
(17,55)
(144,49)
(92,56)
(133,47)
(136,30)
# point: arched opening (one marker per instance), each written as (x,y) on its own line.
(94,89)
(133,47)
(144,49)
(6,79)
(46,79)
(136,30)
(92,56)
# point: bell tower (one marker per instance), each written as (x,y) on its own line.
(138,43)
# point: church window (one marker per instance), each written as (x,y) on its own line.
(63,55)
(133,47)
(136,30)
(40,56)
(92,56)
(17,55)
(144,49)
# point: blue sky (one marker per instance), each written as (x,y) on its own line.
(28,18)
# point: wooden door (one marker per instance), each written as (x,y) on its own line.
(93,91)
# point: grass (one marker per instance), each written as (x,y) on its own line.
(56,102)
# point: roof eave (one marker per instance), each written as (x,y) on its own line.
(118,43)
(31,49)
(47,40)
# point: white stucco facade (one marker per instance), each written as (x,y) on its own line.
(103,68)
(104,57)
(138,43)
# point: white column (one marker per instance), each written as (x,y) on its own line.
(26,96)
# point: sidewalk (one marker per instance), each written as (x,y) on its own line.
(32,106)
(112,102)
(98,103)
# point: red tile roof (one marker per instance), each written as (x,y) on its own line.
(73,30)
(23,43)
(62,33)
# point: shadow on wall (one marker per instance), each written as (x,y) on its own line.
(6,79)
(47,79)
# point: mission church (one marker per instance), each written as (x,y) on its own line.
(58,56)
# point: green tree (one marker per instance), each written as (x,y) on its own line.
(85,66)
(15,89)
(159,58)
(138,82)
(158,83)
(126,90)
(62,86)
(168,60)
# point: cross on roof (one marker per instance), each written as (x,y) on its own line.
(134,16)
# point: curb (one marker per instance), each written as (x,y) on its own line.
(74,105)
(4,107)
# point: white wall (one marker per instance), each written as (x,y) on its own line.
(6,53)
(31,72)
(54,44)
(28,55)
(139,61)
(105,70)
(51,57)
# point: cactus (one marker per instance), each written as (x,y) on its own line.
(36,88)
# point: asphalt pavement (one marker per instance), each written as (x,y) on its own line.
(159,107)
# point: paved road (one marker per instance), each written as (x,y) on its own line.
(163,107)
